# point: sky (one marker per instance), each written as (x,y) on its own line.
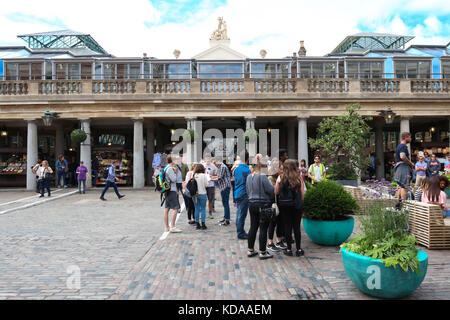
(156,27)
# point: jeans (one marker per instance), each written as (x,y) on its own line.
(200,205)
(61,173)
(81,182)
(241,214)
(292,219)
(45,184)
(225,195)
(109,184)
(255,223)
(94,177)
(72,178)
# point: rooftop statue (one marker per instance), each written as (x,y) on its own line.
(221,32)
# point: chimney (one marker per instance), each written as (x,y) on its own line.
(302,51)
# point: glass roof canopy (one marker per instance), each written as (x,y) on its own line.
(64,39)
(362,42)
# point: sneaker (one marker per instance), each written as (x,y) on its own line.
(288,252)
(204,226)
(252,253)
(273,247)
(121,196)
(198,226)
(265,255)
(167,229)
(191,222)
(299,252)
(211,216)
(103,199)
(41,196)
(65,187)
(175,230)
(245,237)
(281,246)
(224,223)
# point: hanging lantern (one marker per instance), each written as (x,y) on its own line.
(388,115)
(48,118)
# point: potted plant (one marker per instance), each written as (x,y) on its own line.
(383,260)
(78,136)
(327,209)
(343,139)
(250,133)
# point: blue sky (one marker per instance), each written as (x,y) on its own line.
(157,27)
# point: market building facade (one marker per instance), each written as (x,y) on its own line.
(129,107)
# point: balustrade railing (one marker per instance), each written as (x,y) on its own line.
(113,86)
(221,86)
(328,85)
(13,88)
(380,85)
(60,87)
(275,86)
(430,85)
(168,86)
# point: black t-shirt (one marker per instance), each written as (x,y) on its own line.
(401,148)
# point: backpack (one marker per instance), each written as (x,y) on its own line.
(191,188)
(289,198)
(161,185)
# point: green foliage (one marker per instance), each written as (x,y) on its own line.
(250,133)
(78,136)
(344,136)
(385,237)
(189,135)
(329,201)
(341,171)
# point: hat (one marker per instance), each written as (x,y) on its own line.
(420,154)
(81,162)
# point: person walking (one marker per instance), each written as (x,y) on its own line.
(82,173)
(211,170)
(189,202)
(290,190)
(61,169)
(223,179)
(421,170)
(111,181)
(260,196)
(317,171)
(241,173)
(278,223)
(44,173)
(171,202)
(403,167)
(202,180)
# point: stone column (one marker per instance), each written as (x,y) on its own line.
(190,145)
(303,139)
(379,148)
(59,140)
(150,150)
(404,127)
(252,145)
(138,154)
(198,141)
(291,139)
(85,148)
(32,153)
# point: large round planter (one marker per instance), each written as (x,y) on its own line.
(373,278)
(329,233)
(352,183)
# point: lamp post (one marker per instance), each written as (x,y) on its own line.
(388,115)
(49,117)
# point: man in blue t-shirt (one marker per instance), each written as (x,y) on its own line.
(403,166)
(240,195)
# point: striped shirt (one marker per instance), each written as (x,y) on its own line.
(224,176)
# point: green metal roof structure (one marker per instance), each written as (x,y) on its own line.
(362,42)
(64,39)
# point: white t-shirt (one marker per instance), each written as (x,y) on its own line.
(211,170)
(41,171)
(317,174)
(202,182)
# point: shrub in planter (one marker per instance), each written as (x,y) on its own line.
(341,171)
(78,136)
(386,244)
(327,207)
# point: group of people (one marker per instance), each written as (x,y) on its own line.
(429,186)
(259,187)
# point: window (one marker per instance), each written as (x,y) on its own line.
(146,70)
(98,70)
(36,71)
(318,69)
(364,69)
(74,71)
(48,70)
(220,70)
(445,68)
(412,69)
(171,70)
(12,71)
(135,70)
(270,70)
(109,71)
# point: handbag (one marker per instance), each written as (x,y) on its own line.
(267,211)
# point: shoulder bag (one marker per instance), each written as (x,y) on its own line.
(266,210)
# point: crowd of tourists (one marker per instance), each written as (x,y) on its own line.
(429,185)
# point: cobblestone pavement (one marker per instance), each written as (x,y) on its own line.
(117,248)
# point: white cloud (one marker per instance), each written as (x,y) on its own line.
(276,26)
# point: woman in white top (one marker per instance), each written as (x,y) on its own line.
(200,199)
(190,206)
(42,172)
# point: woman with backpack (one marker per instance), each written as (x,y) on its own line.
(261,197)
(202,179)
(290,190)
(188,200)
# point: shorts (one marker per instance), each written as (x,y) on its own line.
(172,200)
(403,175)
(211,193)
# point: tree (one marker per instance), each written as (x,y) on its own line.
(343,138)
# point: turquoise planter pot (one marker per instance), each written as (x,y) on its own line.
(329,233)
(374,279)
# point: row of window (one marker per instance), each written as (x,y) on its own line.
(233,70)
